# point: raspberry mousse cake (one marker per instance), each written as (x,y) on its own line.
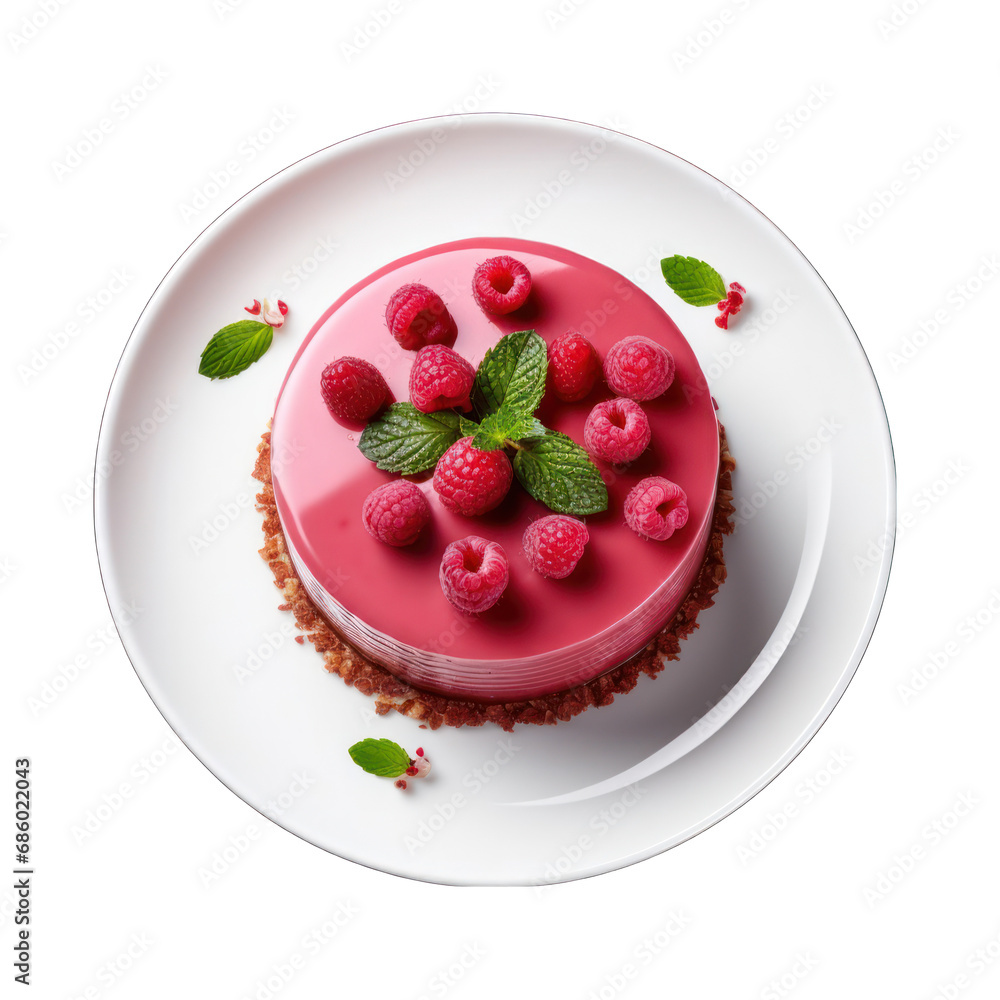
(496,475)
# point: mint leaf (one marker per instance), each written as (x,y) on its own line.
(407,441)
(554,469)
(497,428)
(381,757)
(467,426)
(512,375)
(235,348)
(693,280)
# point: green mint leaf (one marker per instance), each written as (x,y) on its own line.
(466,426)
(405,440)
(235,348)
(497,428)
(381,757)
(554,469)
(512,375)
(693,280)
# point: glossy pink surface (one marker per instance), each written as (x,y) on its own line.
(543,635)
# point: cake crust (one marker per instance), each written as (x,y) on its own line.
(433,710)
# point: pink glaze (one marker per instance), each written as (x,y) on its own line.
(543,635)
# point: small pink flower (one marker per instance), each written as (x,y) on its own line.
(421,767)
(273,315)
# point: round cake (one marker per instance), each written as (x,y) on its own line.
(543,635)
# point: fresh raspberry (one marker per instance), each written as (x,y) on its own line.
(554,544)
(574,365)
(655,508)
(617,430)
(354,389)
(501,285)
(639,368)
(416,316)
(473,573)
(440,378)
(470,481)
(396,512)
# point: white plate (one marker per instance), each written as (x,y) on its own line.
(177,535)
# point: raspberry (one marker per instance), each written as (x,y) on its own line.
(655,508)
(639,368)
(416,316)
(473,573)
(617,430)
(470,481)
(501,285)
(354,389)
(554,544)
(396,512)
(574,365)
(440,378)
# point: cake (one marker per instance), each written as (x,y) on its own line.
(543,635)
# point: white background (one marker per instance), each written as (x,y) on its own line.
(882,879)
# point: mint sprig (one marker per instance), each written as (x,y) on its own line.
(235,348)
(406,441)
(381,757)
(512,375)
(696,282)
(509,385)
(555,470)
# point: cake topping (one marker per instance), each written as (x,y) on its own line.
(440,378)
(699,284)
(617,431)
(471,481)
(554,544)
(388,759)
(639,368)
(354,389)
(501,285)
(655,508)
(473,574)
(416,316)
(396,512)
(272,315)
(574,366)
